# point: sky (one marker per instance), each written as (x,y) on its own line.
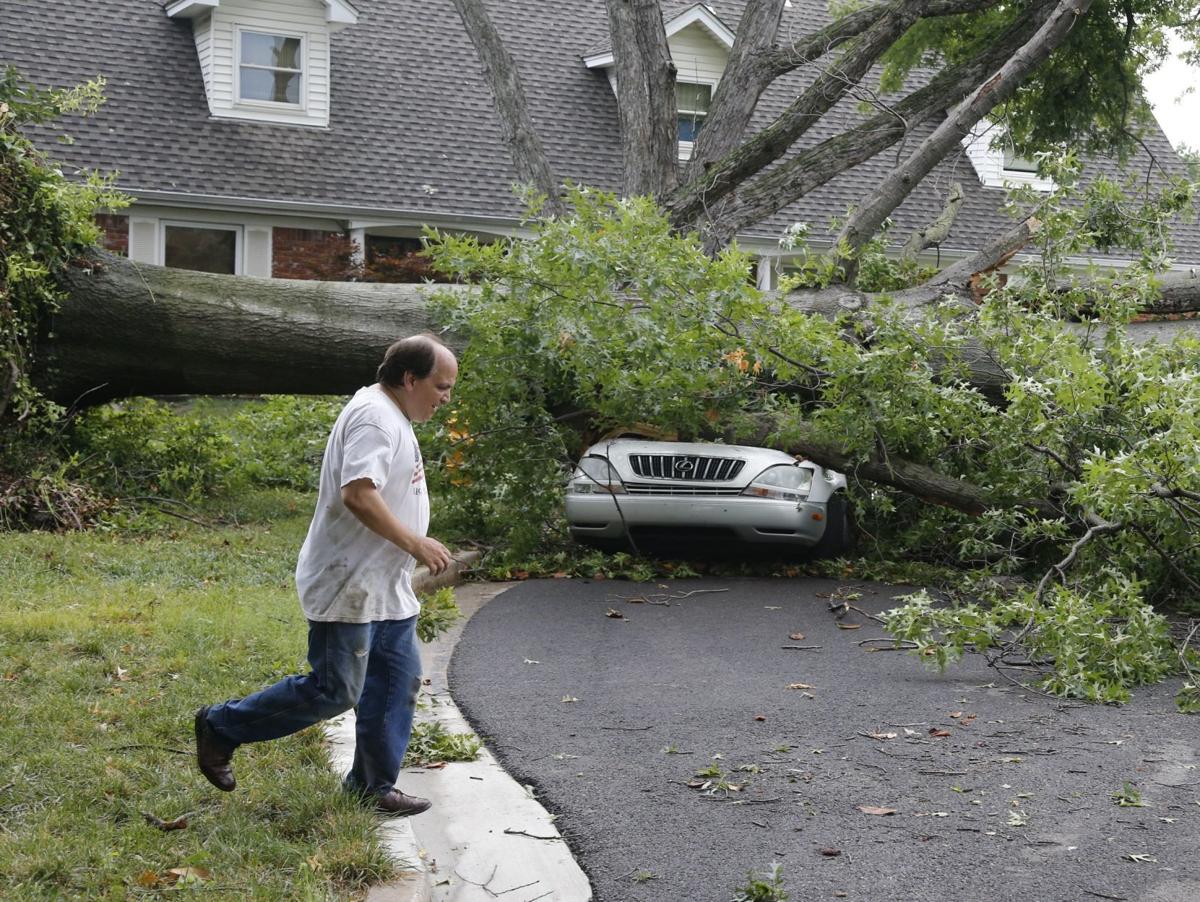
(1179,119)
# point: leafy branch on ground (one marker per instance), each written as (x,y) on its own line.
(439,612)
(432,743)
(1129,796)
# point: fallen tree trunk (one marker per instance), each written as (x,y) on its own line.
(133,329)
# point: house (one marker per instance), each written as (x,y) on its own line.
(248,131)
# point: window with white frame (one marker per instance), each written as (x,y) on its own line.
(1015,163)
(997,163)
(270,68)
(693,100)
(203,247)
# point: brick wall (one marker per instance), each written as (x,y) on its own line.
(330,256)
(114,232)
(313,254)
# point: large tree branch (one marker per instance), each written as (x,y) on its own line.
(529,157)
(917,479)
(900,182)
(998,248)
(718,178)
(133,329)
(811,168)
(645,96)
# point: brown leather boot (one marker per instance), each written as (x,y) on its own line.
(397,804)
(213,754)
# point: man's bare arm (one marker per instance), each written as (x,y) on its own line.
(364,501)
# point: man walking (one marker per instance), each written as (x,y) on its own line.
(354,577)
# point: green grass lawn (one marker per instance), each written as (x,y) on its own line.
(109,641)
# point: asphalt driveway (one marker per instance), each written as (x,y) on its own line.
(863,774)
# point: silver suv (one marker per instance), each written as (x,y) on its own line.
(652,490)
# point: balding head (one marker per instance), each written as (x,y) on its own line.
(417,354)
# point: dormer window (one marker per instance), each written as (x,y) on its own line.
(270,68)
(266,62)
(693,101)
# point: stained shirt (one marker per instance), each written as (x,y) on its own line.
(346,572)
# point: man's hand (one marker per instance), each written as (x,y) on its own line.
(433,554)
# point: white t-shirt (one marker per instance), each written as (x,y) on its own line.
(345,572)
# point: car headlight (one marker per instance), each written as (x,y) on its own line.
(595,475)
(784,482)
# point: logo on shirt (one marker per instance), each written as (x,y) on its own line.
(418,479)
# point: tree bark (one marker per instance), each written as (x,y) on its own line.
(741,85)
(645,96)
(133,329)
(525,147)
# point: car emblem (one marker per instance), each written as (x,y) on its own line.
(683,465)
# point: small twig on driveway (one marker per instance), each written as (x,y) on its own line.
(897,644)
(511,832)
(668,596)
(801,647)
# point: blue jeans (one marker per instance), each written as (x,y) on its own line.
(376,666)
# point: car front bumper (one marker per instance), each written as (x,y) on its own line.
(751,520)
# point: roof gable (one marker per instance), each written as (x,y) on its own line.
(696,14)
(337,12)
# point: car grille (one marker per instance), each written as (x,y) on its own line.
(685,466)
(658,488)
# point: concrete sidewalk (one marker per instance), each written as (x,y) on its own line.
(485,835)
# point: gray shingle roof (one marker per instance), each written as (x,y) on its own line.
(412,128)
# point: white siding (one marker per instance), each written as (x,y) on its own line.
(143,238)
(698,56)
(989,164)
(257,253)
(305,18)
(202,29)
